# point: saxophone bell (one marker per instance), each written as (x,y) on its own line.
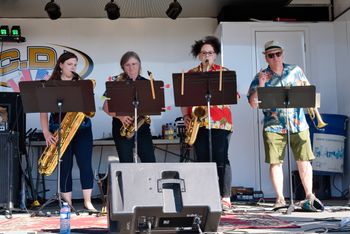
(313,113)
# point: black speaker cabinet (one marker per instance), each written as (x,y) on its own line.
(321,186)
(9,170)
(163,197)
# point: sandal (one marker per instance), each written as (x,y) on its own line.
(226,205)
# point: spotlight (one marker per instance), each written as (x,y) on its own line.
(112,9)
(16,31)
(4,31)
(11,36)
(53,10)
(174,10)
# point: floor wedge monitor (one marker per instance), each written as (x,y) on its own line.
(163,197)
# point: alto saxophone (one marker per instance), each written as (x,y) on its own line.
(128,130)
(48,160)
(199,113)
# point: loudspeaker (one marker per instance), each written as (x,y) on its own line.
(16,117)
(320,187)
(9,169)
(163,197)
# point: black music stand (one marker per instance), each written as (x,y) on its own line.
(202,88)
(57,96)
(134,98)
(287,97)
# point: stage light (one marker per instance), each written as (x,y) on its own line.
(11,36)
(174,10)
(113,11)
(16,31)
(53,10)
(4,31)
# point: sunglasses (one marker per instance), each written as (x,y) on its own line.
(205,53)
(272,55)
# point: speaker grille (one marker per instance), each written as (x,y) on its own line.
(9,169)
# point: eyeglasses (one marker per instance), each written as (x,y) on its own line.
(130,64)
(272,55)
(209,53)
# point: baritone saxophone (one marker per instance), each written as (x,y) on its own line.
(71,122)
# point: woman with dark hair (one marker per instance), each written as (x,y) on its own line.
(131,65)
(206,50)
(80,145)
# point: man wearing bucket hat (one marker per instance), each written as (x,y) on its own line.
(279,74)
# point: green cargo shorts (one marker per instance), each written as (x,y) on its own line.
(275,146)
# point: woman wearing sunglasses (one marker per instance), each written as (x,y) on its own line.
(279,74)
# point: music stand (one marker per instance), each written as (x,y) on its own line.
(57,96)
(134,98)
(202,88)
(287,97)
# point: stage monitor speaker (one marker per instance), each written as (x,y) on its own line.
(163,197)
(12,102)
(9,170)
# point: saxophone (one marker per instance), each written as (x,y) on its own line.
(71,122)
(128,130)
(199,113)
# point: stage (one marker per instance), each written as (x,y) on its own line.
(243,218)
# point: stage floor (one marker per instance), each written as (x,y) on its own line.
(243,218)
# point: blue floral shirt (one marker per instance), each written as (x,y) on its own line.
(275,118)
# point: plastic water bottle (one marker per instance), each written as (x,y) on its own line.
(65,219)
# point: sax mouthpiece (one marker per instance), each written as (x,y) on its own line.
(75,75)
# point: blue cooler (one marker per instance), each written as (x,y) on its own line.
(328,143)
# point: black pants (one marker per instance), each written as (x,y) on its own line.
(125,146)
(81,147)
(220,143)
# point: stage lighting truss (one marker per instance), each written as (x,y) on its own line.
(11,36)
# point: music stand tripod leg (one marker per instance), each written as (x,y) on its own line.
(135,103)
(208,97)
(291,207)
